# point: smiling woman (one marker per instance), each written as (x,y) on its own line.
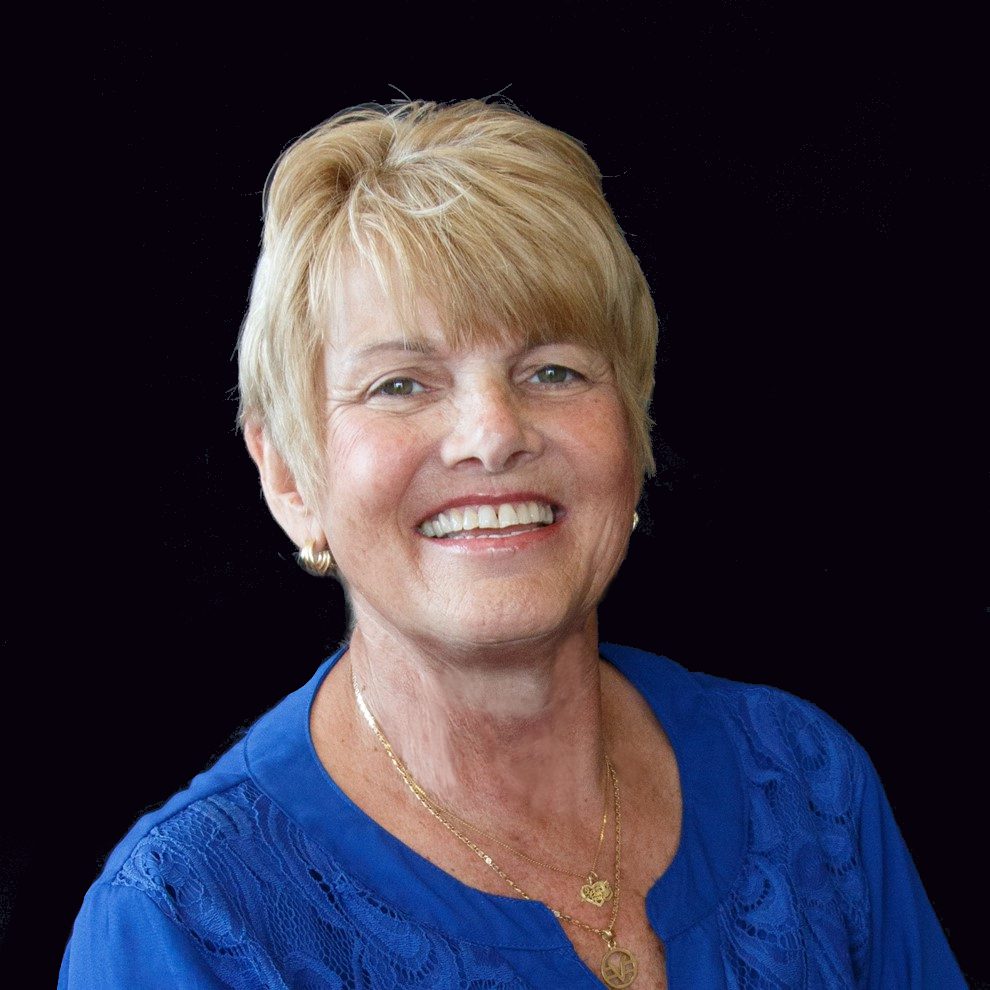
(445,378)
(423,429)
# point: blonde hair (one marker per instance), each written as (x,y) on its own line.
(497,220)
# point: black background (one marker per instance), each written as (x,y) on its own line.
(787,182)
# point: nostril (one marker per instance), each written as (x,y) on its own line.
(495,445)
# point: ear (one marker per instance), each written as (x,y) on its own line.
(284,499)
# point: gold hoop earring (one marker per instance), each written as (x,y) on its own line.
(319,563)
(635,520)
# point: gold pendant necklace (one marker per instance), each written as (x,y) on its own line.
(595,890)
(619,965)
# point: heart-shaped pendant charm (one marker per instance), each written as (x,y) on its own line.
(596,891)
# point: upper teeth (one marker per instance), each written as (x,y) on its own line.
(487,517)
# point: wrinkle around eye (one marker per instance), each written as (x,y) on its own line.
(422,397)
(588,366)
(343,397)
(363,395)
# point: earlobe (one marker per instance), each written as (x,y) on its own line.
(284,499)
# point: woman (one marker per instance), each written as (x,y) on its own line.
(445,374)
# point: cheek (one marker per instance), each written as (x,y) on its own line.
(599,446)
(370,465)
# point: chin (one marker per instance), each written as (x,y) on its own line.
(507,625)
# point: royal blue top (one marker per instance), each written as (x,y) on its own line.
(790,871)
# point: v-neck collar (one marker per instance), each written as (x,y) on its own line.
(282,760)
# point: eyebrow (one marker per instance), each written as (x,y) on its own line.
(395,344)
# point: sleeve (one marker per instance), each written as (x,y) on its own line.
(122,940)
(908,949)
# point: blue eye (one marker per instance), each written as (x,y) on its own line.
(399,387)
(554,374)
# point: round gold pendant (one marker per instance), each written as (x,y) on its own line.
(596,891)
(618,967)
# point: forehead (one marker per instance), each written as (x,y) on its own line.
(365,320)
(363,315)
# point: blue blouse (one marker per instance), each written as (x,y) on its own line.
(790,872)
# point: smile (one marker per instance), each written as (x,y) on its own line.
(466,518)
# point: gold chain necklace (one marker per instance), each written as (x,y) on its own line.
(595,889)
(618,967)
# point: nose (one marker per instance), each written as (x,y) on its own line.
(492,429)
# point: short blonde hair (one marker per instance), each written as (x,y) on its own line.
(497,220)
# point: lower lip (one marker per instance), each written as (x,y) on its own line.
(494,544)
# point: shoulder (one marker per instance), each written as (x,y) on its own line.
(786,783)
(131,928)
(173,859)
(228,772)
(770,732)
(817,877)
(184,888)
(783,727)
(199,865)
(182,840)
(217,800)
(759,711)
(804,773)
(200,825)
(211,894)
(230,890)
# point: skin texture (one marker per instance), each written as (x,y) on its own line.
(479,657)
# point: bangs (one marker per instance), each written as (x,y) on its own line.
(496,260)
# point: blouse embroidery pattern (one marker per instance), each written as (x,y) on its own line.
(270,909)
(797,915)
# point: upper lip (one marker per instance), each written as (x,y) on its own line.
(488,498)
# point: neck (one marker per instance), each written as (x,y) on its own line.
(510,737)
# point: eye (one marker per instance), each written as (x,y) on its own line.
(555,374)
(399,387)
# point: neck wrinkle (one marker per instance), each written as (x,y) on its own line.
(511,740)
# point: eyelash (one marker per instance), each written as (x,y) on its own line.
(416,388)
(572,375)
(383,388)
